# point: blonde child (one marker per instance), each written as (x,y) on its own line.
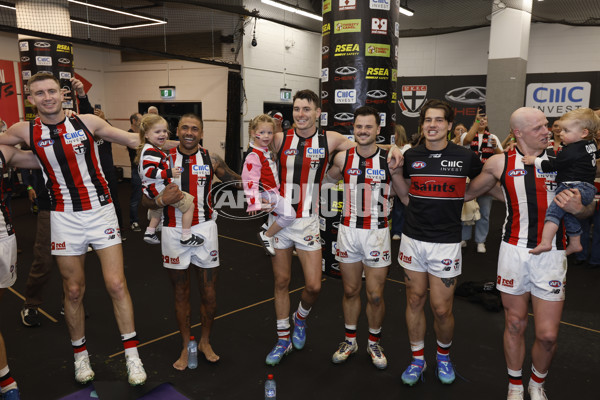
(575,164)
(261,181)
(154,170)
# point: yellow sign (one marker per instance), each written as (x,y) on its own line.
(347,25)
(377,50)
(326,29)
(326,6)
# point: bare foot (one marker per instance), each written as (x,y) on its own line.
(210,355)
(542,247)
(573,247)
(181,363)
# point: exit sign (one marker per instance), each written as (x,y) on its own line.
(167,92)
(285,94)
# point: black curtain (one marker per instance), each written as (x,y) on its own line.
(234,109)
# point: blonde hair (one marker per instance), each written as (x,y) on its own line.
(262,119)
(148,121)
(400,136)
(585,118)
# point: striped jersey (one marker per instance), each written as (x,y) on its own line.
(302,164)
(366,190)
(154,170)
(70,163)
(437,190)
(259,174)
(196,179)
(528,192)
(482,145)
(6,226)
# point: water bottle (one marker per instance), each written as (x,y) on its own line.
(270,390)
(192,350)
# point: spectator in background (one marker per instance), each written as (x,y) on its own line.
(457,133)
(278,118)
(554,141)
(136,182)
(152,110)
(485,145)
(398,209)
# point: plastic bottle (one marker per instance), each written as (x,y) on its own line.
(270,389)
(192,350)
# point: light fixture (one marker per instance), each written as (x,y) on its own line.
(154,21)
(292,9)
(405,10)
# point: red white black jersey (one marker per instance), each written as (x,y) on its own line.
(302,165)
(269,176)
(366,190)
(196,179)
(70,163)
(6,227)
(437,190)
(482,145)
(154,170)
(528,192)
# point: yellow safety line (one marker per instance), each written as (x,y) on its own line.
(198,324)
(44,313)
(241,241)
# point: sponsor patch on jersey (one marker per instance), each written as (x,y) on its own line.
(58,246)
(79,148)
(318,152)
(375,174)
(440,187)
(214,253)
(45,143)
(354,171)
(202,170)
(291,152)
(419,164)
(75,137)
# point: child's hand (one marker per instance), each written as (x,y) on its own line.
(176,172)
(252,213)
(528,160)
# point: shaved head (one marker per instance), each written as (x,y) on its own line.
(524,116)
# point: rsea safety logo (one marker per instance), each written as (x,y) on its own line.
(347,49)
(64,48)
(326,29)
(377,50)
(555,99)
(347,26)
(378,73)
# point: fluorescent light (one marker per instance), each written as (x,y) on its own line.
(154,20)
(291,9)
(406,11)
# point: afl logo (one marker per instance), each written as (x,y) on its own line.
(418,164)
(354,171)
(109,231)
(376,94)
(555,284)
(64,61)
(308,238)
(446,261)
(517,172)
(214,253)
(41,44)
(374,253)
(345,70)
(45,143)
(290,152)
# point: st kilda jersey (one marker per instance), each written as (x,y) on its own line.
(70,163)
(302,164)
(366,190)
(437,191)
(528,192)
(6,227)
(196,179)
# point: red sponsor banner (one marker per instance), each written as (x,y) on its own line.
(444,187)
(9,106)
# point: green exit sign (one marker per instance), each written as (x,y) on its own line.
(285,94)
(167,92)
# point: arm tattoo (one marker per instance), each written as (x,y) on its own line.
(448,281)
(222,170)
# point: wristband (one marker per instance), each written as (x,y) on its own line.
(477,120)
(158,202)
(29,188)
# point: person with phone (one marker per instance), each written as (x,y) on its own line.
(484,144)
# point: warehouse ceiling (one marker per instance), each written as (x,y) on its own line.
(212,29)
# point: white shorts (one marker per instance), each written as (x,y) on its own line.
(371,246)
(303,233)
(176,256)
(443,260)
(543,275)
(8,261)
(72,232)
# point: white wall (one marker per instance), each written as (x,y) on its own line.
(552,48)
(284,57)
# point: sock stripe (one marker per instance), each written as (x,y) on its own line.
(6,380)
(79,349)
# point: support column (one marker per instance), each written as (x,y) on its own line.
(507,64)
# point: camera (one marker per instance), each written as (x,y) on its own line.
(254,42)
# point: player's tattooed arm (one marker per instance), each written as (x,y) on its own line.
(222,170)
